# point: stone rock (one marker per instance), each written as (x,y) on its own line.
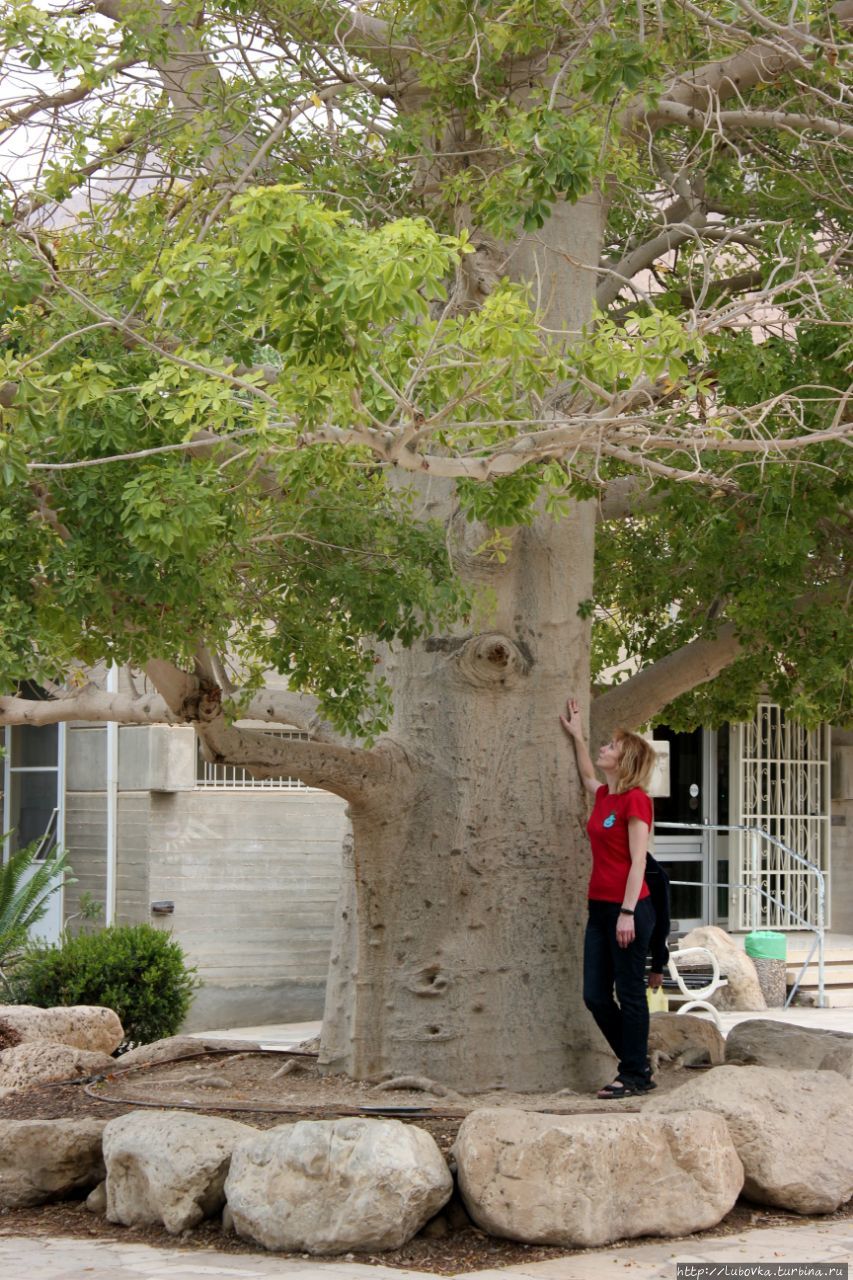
(764,1043)
(743,991)
(330,1186)
(96,1201)
(8,1036)
(586,1180)
(82,1026)
(41,1060)
(793,1131)
(43,1160)
(683,1039)
(167,1166)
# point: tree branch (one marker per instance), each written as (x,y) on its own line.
(346,27)
(760,63)
(633,703)
(91,704)
(696,118)
(189,76)
(298,710)
(642,257)
(743,282)
(53,102)
(277,706)
(351,772)
(627,496)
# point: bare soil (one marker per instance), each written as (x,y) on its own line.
(248,1086)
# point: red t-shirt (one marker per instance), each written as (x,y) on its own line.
(608,834)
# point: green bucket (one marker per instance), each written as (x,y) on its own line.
(765,944)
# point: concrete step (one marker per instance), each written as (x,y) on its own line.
(832,955)
(836,974)
(834,997)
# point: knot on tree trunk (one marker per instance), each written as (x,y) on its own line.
(205,704)
(492,659)
(428,981)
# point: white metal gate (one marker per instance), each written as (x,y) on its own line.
(780,784)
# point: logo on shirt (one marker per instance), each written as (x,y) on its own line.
(609,820)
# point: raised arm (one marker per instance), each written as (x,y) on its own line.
(571,722)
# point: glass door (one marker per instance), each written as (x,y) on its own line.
(684,853)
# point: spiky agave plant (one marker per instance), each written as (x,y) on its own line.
(26,886)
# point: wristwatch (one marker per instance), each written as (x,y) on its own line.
(625,911)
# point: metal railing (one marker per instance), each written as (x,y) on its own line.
(760,895)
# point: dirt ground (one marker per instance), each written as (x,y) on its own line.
(250,1087)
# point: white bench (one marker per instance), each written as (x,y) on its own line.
(698,997)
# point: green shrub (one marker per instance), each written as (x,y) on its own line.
(136,970)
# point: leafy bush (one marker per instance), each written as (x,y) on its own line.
(136,970)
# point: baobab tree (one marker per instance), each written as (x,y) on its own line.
(439,358)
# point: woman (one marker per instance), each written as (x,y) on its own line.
(621,916)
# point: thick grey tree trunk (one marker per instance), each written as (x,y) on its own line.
(458,955)
(458,948)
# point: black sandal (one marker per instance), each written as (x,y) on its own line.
(618,1089)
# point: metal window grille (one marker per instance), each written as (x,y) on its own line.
(227,777)
(782,786)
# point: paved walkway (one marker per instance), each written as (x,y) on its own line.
(279,1035)
(50,1258)
(285,1034)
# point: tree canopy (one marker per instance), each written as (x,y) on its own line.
(262,284)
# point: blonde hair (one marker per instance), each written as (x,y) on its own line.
(636,761)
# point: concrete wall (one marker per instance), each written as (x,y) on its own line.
(86,842)
(253,875)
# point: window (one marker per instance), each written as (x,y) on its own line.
(33,791)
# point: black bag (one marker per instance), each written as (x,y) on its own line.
(658,883)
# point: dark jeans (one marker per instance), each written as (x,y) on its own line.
(625,1026)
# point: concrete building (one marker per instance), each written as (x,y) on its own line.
(243,873)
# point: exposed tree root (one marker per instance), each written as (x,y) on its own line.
(421,1084)
(311,1046)
(287,1068)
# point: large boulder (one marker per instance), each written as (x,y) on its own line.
(41,1061)
(82,1026)
(763,1042)
(743,991)
(585,1180)
(43,1160)
(332,1186)
(167,1166)
(683,1040)
(793,1131)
